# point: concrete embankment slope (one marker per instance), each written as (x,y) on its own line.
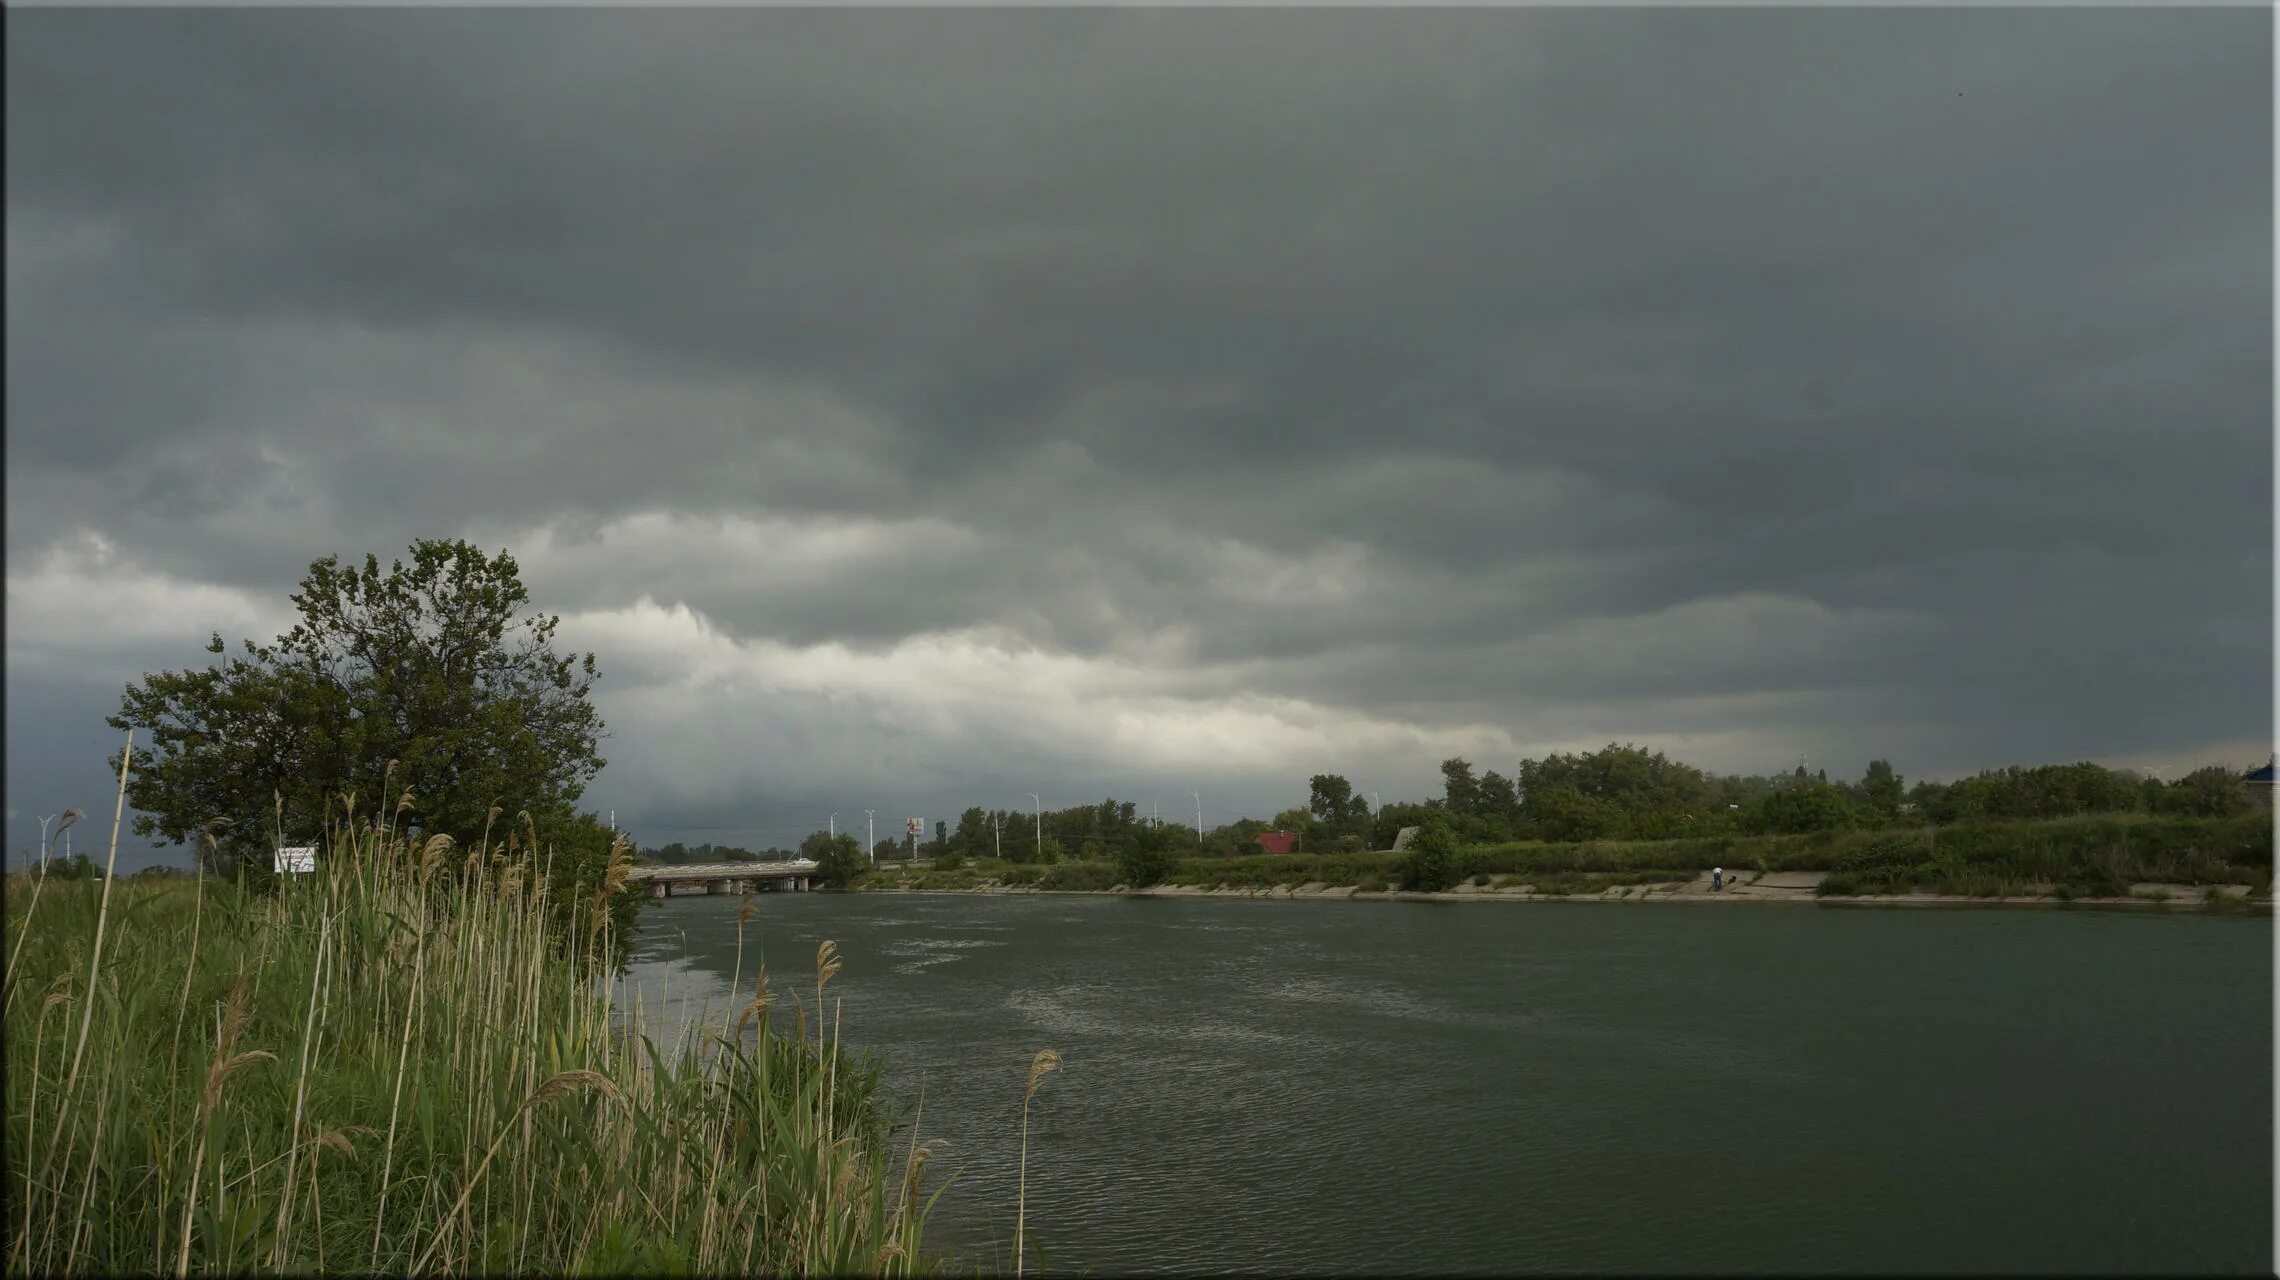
(1749,887)
(1795,887)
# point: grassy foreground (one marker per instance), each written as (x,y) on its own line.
(391,1066)
(2072,856)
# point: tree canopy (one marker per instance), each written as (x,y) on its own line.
(431,680)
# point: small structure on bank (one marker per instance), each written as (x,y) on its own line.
(1278,841)
(1403,839)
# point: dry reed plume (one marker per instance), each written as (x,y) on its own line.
(402,1063)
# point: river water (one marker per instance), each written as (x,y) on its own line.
(1327,1088)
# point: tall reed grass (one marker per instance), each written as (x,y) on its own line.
(396,1065)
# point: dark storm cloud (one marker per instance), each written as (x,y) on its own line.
(1498,366)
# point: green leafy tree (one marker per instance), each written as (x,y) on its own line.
(1341,819)
(1565,813)
(1147,857)
(2213,792)
(1330,798)
(1237,839)
(972,838)
(1806,806)
(1459,789)
(838,859)
(1880,788)
(1630,778)
(1497,796)
(430,678)
(1432,862)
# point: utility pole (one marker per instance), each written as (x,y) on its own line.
(43,840)
(997,837)
(871,836)
(835,826)
(1198,816)
(1040,807)
(1153,819)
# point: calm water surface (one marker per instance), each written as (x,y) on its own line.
(1447,1087)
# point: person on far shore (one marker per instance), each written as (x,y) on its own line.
(1717,879)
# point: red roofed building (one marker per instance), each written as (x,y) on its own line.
(1278,841)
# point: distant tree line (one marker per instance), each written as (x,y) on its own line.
(1628,793)
(1621,792)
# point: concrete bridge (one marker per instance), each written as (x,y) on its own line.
(796,876)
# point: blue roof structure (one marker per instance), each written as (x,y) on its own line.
(2263,775)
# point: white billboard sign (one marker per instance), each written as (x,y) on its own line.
(917,825)
(297,860)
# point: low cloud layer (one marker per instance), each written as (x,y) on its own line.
(926,408)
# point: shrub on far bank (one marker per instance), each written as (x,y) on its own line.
(838,859)
(1145,859)
(1431,866)
(1079,876)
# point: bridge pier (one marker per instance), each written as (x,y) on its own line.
(657,889)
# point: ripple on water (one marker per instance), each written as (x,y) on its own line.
(911,955)
(1564,1092)
(1076,1010)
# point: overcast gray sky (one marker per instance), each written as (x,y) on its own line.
(927,408)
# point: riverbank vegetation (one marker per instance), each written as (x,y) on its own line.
(412,1061)
(1617,795)
(433,670)
(2090,856)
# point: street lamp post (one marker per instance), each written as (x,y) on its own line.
(1198,817)
(871,836)
(835,826)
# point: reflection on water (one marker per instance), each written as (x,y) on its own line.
(1434,1088)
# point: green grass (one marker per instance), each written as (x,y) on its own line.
(1080,876)
(1571,883)
(392,1066)
(2096,857)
